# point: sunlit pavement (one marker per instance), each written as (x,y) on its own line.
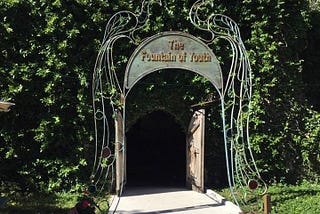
(153,200)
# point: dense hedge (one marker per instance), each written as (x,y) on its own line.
(48,51)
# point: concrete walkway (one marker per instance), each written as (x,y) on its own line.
(155,200)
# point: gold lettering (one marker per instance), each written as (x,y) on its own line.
(173,57)
(143,55)
(158,57)
(171,44)
(183,57)
(195,57)
(175,45)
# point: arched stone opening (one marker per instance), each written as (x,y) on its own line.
(156,151)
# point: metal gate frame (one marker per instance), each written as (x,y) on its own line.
(235,95)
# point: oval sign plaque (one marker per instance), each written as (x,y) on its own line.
(173,50)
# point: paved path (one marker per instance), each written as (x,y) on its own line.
(156,200)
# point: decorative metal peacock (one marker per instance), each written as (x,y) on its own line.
(236,95)
(106,89)
(236,92)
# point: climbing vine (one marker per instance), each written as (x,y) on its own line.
(47,55)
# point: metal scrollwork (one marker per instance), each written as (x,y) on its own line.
(235,95)
(107,90)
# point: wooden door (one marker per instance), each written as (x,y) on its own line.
(195,151)
(120,153)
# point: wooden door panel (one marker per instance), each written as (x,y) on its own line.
(195,151)
(120,152)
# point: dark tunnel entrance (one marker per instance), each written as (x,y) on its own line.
(156,151)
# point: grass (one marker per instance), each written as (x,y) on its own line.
(39,203)
(44,203)
(303,198)
(294,199)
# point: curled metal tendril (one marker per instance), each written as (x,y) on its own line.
(237,93)
(106,88)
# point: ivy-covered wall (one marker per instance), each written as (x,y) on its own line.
(47,55)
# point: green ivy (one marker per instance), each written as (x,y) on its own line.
(47,55)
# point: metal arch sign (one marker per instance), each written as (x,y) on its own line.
(176,50)
(169,50)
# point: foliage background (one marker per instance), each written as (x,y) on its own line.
(47,54)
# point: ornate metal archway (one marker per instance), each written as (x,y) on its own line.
(178,50)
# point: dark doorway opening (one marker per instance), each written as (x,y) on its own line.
(156,151)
